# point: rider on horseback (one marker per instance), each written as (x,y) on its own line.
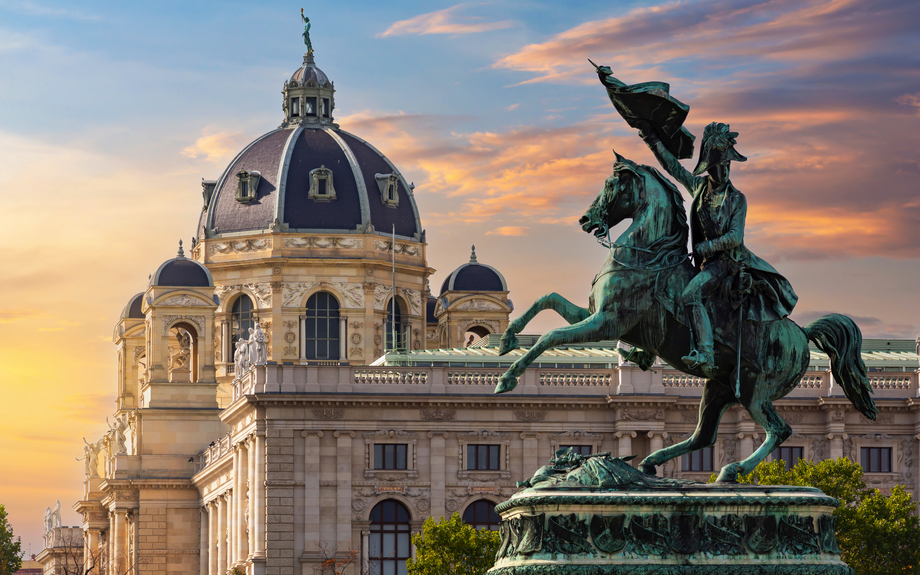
(717,227)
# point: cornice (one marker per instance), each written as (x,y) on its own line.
(548,402)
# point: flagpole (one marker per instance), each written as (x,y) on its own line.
(393,300)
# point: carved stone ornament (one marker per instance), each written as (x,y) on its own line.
(171,319)
(529,415)
(355,338)
(184,300)
(355,352)
(292,294)
(352,293)
(325,243)
(431,335)
(383,246)
(478,304)
(262,291)
(381,295)
(642,414)
(328,413)
(437,414)
(239,246)
(489,323)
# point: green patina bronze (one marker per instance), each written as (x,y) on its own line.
(306,31)
(720,313)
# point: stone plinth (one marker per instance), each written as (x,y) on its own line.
(663,527)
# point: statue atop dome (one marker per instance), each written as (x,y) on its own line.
(306,32)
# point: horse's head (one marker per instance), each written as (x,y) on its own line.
(617,201)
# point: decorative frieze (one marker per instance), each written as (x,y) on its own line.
(325,243)
(239,246)
(170,319)
(407,249)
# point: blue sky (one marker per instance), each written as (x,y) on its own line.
(112,113)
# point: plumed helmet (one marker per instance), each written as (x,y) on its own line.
(718,147)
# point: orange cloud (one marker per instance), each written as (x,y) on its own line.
(509,231)
(214,147)
(444,21)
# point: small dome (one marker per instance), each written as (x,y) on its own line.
(133,309)
(182,272)
(309,71)
(474,276)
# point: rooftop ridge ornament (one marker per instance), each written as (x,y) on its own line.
(306,33)
(473,259)
(181,253)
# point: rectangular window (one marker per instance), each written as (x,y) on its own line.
(390,455)
(295,107)
(875,459)
(483,457)
(699,460)
(789,455)
(325,107)
(578,449)
(309,106)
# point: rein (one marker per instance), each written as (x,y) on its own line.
(673,259)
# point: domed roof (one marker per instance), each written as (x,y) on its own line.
(133,309)
(309,71)
(310,176)
(182,272)
(474,276)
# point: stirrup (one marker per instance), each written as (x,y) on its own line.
(700,359)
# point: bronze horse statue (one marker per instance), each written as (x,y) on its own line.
(636,299)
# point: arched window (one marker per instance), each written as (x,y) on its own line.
(481,515)
(473,334)
(241,319)
(395,316)
(389,544)
(322,325)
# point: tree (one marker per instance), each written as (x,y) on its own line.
(878,534)
(451,547)
(10,549)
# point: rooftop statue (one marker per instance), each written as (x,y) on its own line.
(306,31)
(720,313)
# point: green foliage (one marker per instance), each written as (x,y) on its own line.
(10,549)
(451,547)
(878,534)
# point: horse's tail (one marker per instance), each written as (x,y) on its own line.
(839,337)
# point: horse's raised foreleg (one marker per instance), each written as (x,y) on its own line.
(716,399)
(778,431)
(594,328)
(569,311)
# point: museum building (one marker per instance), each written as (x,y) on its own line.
(373,407)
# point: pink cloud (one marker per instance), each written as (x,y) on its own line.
(446,21)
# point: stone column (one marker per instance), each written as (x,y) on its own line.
(656,440)
(531,455)
(212,538)
(746,445)
(303,335)
(836,444)
(259,520)
(343,487)
(250,477)
(343,342)
(436,462)
(92,549)
(242,547)
(204,532)
(625,443)
(311,500)
(226,353)
(121,547)
(233,516)
(221,535)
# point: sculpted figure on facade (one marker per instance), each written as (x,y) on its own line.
(91,459)
(241,357)
(56,515)
(258,352)
(47,521)
(118,430)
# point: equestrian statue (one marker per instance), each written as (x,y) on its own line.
(720,312)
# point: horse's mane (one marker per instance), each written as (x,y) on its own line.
(676,242)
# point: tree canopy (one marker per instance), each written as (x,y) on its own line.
(878,533)
(10,547)
(452,547)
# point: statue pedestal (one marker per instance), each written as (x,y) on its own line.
(668,528)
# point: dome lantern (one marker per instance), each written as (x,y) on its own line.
(309,97)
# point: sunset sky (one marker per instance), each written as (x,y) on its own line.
(112,113)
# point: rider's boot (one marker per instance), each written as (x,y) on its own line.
(701,357)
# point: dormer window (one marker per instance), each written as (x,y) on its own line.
(325,107)
(321,188)
(295,107)
(309,106)
(388,188)
(247,186)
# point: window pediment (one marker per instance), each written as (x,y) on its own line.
(321,187)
